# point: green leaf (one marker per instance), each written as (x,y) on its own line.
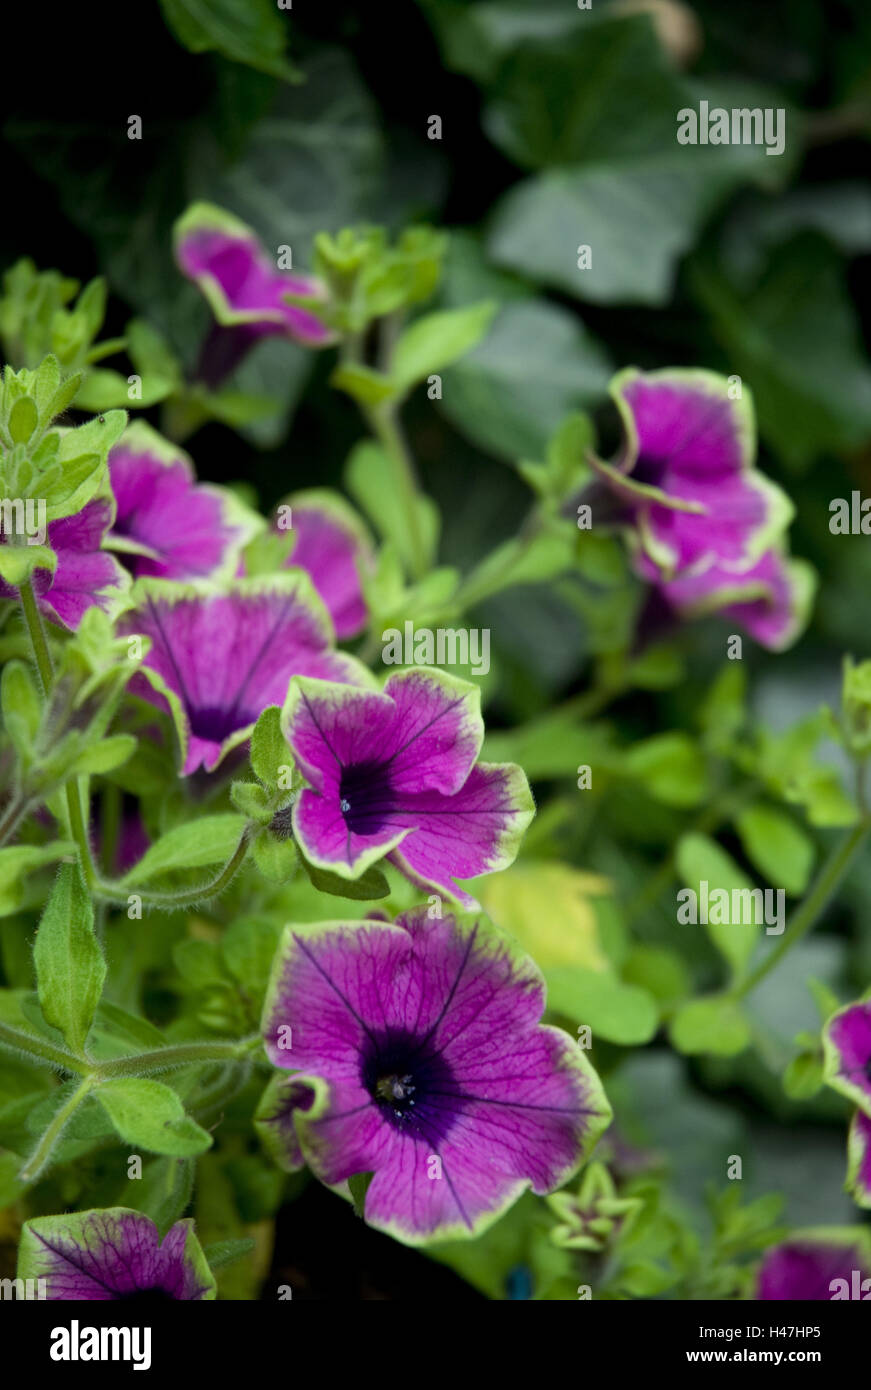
(252,800)
(776,846)
(23,420)
(269,749)
(363,384)
(16,861)
(21,706)
(358,1186)
(671,767)
(245,31)
(276,859)
(149,1115)
(616,1012)
(106,755)
(714,1025)
(803,1076)
(436,340)
(802,352)
(70,968)
(371,884)
(701,860)
(225,1252)
(372,478)
(506,400)
(207,840)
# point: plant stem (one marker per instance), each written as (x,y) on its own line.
(15,813)
(120,892)
(80,834)
(181,1055)
(809,910)
(43,1151)
(40,1049)
(383,423)
(38,641)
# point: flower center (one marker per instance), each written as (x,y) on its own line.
(411,1083)
(365,797)
(214,723)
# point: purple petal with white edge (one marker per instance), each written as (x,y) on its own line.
(818,1266)
(332,545)
(85,574)
(274,1121)
(116,1253)
(379,762)
(859,1159)
(476,831)
(217,659)
(227,262)
(771,599)
(430,1069)
(847,1051)
(166,523)
(687,460)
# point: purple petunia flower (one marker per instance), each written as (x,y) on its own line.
(332,545)
(771,599)
(394,772)
(166,523)
(847,1051)
(217,659)
(85,574)
(114,1254)
(859,1159)
(707,527)
(427,1066)
(818,1265)
(245,291)
(686,474)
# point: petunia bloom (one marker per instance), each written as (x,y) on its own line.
(217,659)
(166,523)
(85,573)
(817,1265)
(847,1050)
(332,545)
(685,474)
(421,1045)
(115,1253)
(245,290)
(394,773)
(770,600)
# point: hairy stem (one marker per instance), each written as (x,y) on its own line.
(44,1149)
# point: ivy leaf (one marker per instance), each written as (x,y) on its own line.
(70,968)
(245,31)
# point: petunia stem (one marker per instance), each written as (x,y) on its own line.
(38,640)
(120,892)
(44,1149)
(384,425)
(180,1055)
(40,1050)
(810,908)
